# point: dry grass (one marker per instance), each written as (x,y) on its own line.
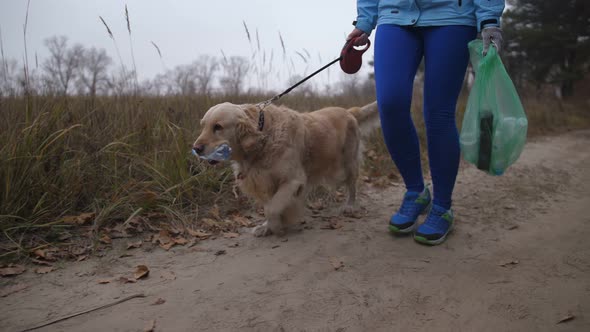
(129,156)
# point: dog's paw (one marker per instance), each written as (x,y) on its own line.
(262,230)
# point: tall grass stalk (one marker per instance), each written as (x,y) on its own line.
(159,55)
(112,36)
(131,48)
(4,62)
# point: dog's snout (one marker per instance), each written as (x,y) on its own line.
(199,148)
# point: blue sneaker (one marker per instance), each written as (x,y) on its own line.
(414,204)
(435,228)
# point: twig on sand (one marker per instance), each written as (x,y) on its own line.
(84,312)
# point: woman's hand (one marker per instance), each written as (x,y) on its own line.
(363,37)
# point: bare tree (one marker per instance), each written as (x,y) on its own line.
(162,85)
(122,82)
(62,64)
(93,74)
(183,78)
(205,68)
(234,70)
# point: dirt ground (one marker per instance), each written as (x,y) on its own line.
(518,260)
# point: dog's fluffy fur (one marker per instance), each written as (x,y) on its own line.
(294,151)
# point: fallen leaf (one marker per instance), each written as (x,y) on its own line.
(332,224)
(81,219)
(167,246)
(199,234)
(141,271)
(180,240)
(159,301)
(39,253)
(45,254)
(174,231)
(12,270)
(230,235)
(81,258)
(163,237)
(126,280)
(12,289)
(337,264)
(105,239)
(567,318)
(317,205)
(168,275)
(243,221)
(40,262)
(509,263)
(150,326)
(44,270)
(103,281)
(132,245)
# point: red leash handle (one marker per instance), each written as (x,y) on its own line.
(351,58)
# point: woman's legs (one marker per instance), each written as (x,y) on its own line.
(446,57)
(398,52)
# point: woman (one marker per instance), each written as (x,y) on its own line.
(439,31)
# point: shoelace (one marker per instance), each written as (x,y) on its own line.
(409,206)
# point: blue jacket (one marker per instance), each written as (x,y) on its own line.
(478,13)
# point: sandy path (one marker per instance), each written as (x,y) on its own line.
(536,216)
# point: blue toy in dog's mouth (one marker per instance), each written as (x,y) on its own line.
(221,153)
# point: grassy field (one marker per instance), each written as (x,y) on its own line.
(119,158)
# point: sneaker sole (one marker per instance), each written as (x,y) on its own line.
(406,230)
(433,242)
(393,229)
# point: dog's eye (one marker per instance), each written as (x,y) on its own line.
(217,127)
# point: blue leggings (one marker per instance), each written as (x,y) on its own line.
(398,52)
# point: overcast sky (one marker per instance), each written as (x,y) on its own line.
(185,29)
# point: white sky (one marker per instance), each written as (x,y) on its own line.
(185,29)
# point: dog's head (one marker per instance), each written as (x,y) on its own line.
(235,125)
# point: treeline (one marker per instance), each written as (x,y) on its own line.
(548,44)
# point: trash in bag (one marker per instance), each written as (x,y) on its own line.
(221,153)
(494,127)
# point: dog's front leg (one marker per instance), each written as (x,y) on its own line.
(273,209)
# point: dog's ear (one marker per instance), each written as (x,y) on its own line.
(248,137)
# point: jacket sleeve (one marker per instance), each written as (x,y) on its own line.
(488,12)
(366,19)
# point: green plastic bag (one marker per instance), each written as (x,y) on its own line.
(494,125)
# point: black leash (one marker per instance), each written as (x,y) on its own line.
(263,104)
(350,63)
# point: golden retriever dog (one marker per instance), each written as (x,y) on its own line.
(279,155)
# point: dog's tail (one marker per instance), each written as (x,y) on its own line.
(367,117)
